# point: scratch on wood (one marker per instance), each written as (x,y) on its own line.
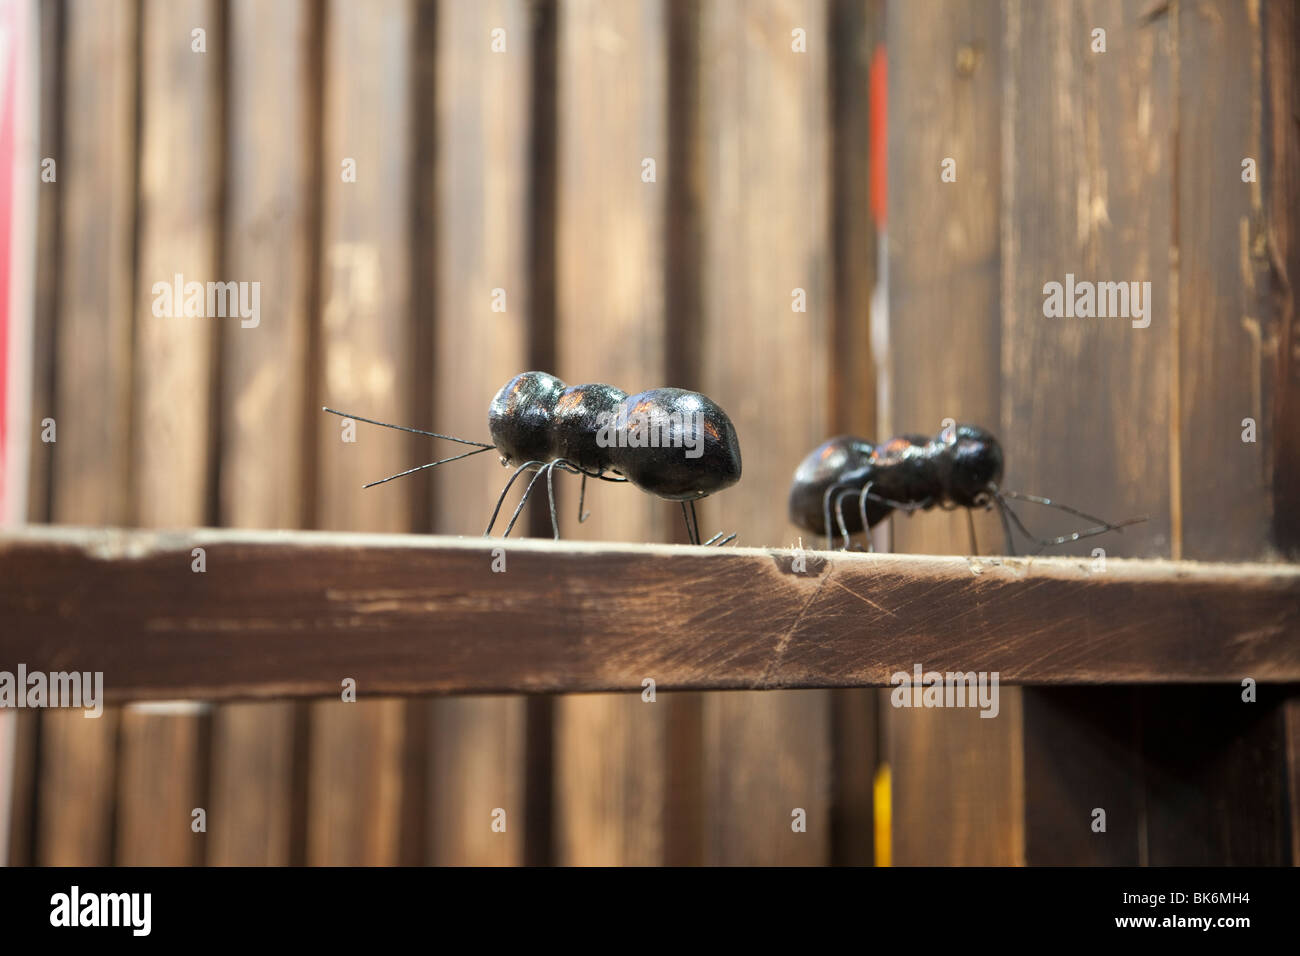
(779,651)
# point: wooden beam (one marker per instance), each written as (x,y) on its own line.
(282,614)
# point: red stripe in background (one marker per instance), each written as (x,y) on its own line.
(879,159)
(8,106)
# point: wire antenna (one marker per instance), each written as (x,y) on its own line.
(406,428)
(440,461)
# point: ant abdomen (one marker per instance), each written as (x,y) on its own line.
(676,444)
(841,460)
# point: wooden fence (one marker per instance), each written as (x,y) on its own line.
(437,195)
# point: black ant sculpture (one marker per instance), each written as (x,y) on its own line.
(961,468)
(668,442)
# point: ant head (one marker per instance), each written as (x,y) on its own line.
(976,466)
(519,417)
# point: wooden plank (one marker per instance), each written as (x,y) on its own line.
(476,768)
(1291,719)
(355,790)
(178,210)
(18,734)
(481,135)
(436,622)
(1280,36)
(20,731)
(1096,202)
(1226,327)
(76,791)
(944,315)
(1214,777)
(436,619)
(162,781)
(268,234)
(92,348)
(1231,324)
(49,222)
(766,193)
(611,327)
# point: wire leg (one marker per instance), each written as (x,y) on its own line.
(523,501)
(692,534)
(505,491)
(839,514)
(826,512)
(582,496)
(970,526)
(862,511)
(550,493)
(1009,542)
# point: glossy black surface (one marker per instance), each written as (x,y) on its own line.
(579,413)
(669,442)
(958,468)
(521,415)
(840,460)
(695,451)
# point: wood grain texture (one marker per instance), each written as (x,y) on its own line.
(52,24)
(611,750)
(476,767)
(76,789)
(945,311)
(562,619)
(767,233)
(161,781)
(264,389)
(1291,725)
(18,736)
(856,30)
(478,208)
(1227,330)
(1280,37)
(174,365)
(92,383)
(1214,777)
(356,753)
(1091,182)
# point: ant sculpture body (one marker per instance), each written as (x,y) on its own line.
(668,442)
(961,468)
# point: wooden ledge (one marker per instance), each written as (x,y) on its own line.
(290,614)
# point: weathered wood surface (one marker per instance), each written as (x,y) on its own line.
(292,614)
(942,361)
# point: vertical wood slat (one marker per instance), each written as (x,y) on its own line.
(160,778)
(22,798)
(355,786)
(49,220)
(1281,37)
(1095,201)
(92,386)
(765,188)
(1281,40)
(855,30)
(956,793)
(253,815)
(611,749)
(479,210)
